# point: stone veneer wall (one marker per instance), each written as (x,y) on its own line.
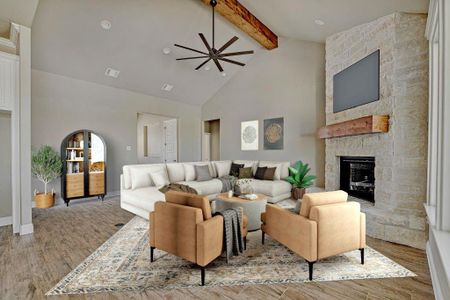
(400,154)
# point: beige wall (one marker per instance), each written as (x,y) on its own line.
(61,105)
(5,165)
(286,82)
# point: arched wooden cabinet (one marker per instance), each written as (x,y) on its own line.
(84,169)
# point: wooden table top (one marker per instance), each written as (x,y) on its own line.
(224,197)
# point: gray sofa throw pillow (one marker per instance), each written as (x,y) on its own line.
(202,173)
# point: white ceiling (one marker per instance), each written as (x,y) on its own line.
(295,18)
(68,39)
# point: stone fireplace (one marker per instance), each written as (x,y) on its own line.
(398,158)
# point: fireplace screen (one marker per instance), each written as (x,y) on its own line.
(358,176)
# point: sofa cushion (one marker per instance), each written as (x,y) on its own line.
(202,173)
(147,168)
(176,172)
(317,199)
(143,198)
(222,167)
(140,178)
(160,178)
(189,170)
(210,187)
(282,168)
(248,163)
(271,188)
(234,169)
(260,173)
(245,173)
(269,174)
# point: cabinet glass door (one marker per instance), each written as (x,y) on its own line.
(96,163)
(75,165)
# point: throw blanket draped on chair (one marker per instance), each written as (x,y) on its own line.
(233,241)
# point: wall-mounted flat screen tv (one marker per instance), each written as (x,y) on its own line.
(358,84)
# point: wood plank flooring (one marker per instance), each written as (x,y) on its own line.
(64,237)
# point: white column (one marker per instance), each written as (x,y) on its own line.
(26,225)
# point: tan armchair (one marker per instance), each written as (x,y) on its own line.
(327,225)
(185,227)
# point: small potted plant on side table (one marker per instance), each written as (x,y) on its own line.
(46,166)
(300,179)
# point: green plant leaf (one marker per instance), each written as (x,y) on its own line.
(293,171)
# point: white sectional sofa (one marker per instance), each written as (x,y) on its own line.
(138,192)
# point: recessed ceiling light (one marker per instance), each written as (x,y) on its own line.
(319,22)
(106,24)
(207,68)
(112,73)
(167,51)
(167,87)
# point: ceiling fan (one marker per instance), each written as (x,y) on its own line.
(214,54)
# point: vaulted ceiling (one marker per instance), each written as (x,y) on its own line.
(68,39)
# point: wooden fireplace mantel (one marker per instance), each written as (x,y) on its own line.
(364,125)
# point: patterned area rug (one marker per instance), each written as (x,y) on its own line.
(123,264)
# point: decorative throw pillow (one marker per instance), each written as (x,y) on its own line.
(160,178)
(234,170)
(222,168)
(140,178)
(260,173)
(189,172)
(202,173)
(245,173)
(269,173)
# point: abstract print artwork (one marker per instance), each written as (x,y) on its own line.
(274,134)
(249,136)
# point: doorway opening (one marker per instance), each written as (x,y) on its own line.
(157,140)
(211,140)
(6,203)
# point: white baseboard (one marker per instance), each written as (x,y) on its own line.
(26,229)
(4,221)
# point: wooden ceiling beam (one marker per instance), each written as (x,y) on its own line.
(238,15)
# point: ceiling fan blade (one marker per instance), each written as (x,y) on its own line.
(204,63)
(205,42)
(228,44)
(193,57)
(218,65)
(187,48)
(236,53)
(232,61)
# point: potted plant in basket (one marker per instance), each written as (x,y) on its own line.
(300,179)
(46,166)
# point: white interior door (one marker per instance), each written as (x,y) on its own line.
(171,140)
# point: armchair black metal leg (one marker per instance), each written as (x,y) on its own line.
(310,265)
(245,243)
(151,253)
(362,255)
(263,236)
(203,275)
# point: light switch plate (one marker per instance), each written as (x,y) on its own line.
(128,148)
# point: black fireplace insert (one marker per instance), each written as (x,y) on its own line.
(358,176)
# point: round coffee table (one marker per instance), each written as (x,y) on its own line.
(252,208)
